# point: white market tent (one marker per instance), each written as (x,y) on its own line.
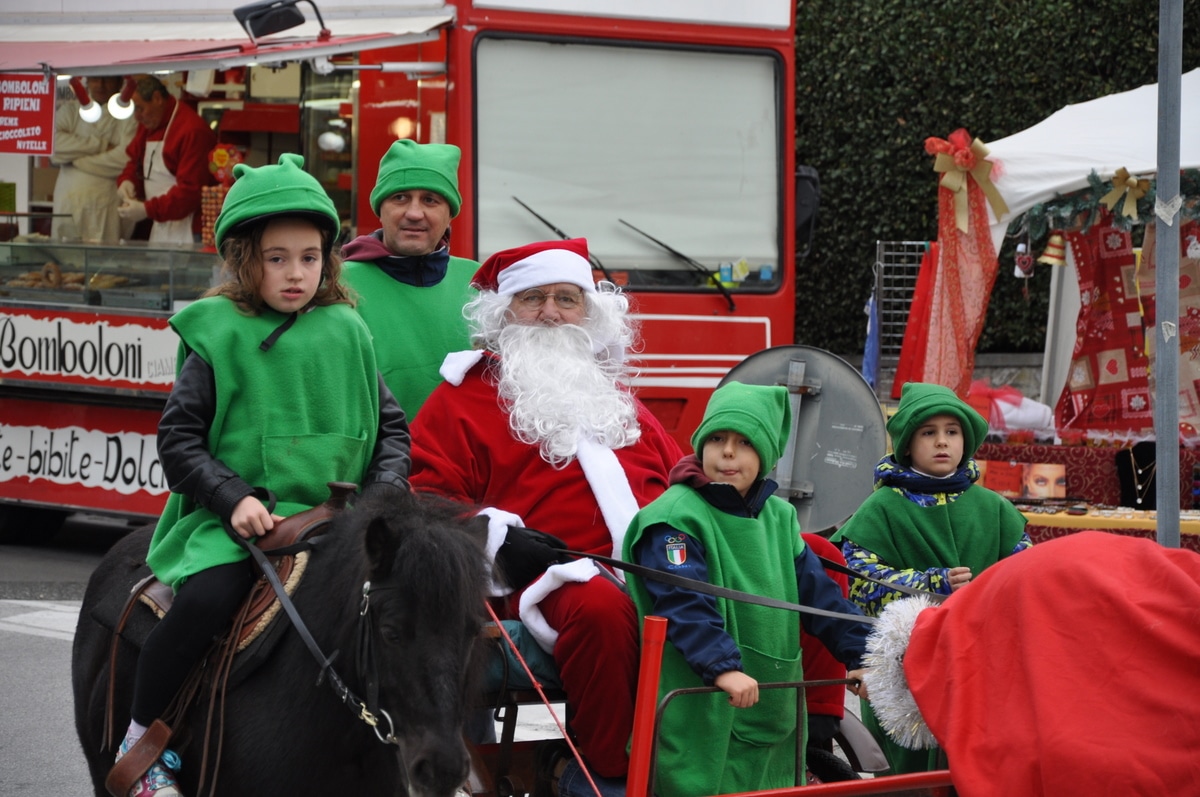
(1056,156)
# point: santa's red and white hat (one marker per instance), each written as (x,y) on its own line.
(511,271)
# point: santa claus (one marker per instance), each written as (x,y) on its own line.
(537,426)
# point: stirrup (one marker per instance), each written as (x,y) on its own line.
(138,760)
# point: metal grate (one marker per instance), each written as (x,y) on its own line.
(897,264)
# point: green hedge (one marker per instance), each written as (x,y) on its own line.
(875,79)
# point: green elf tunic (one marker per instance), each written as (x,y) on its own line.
(976,530)
(292,418)
(707,746)
(414,327)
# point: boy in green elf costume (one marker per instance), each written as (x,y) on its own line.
(719,522)
(276,387)
(927,525)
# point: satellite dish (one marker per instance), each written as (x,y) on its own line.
(838,431)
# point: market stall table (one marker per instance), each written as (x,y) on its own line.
(1044,525)
(1091,470)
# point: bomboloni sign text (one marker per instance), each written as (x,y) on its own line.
(26,114)
(87,350)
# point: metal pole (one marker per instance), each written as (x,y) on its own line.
(1166,281)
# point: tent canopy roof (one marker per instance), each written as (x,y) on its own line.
(1056,155)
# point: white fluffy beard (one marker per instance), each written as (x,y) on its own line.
(556,390)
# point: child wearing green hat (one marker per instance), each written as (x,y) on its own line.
(276,387)
(927,525)
(719,522)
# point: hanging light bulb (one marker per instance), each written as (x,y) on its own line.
(89,109)
(120,105)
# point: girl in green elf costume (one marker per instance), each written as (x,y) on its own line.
(927,525)
(276,387)
(720,523)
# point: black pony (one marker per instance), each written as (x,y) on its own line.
(283,732)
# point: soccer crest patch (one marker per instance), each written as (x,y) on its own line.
(676,550)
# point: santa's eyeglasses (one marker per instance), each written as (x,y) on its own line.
(534,299)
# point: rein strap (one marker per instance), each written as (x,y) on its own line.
(720,592)
(344,693)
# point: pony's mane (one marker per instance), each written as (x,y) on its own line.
(439,557)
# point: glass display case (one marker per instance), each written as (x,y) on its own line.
(327,130)
(132,275)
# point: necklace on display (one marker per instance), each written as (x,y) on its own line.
(1141,487)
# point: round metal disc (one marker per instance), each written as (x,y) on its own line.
(838,431)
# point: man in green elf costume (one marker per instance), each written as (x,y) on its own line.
(411,291)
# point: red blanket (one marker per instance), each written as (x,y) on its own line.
(1072,668)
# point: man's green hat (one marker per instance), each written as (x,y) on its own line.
(761,413)
(918,403)
(408,166)
(281,190)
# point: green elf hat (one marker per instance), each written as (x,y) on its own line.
(760,412)
(918,403)
(281,190)
(407,166)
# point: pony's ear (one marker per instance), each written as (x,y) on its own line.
(477,529)
(381,548)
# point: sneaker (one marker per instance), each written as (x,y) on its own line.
(159,780)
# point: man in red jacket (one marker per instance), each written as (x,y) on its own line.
(537,426)
(168,165)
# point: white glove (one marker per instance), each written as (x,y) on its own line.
(132,210)
(498,524)
(127,190)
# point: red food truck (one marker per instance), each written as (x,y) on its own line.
(660,130)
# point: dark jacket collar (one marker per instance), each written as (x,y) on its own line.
(421,270)
(724,497)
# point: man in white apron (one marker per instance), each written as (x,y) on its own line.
(89,156)
(167,166)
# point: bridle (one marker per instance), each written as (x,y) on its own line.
(366,668)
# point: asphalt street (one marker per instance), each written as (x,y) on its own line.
(40,592)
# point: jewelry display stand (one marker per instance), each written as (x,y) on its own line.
(1136,470)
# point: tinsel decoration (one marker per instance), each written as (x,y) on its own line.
(890,698)
(1081,209)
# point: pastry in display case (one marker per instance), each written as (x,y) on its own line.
(133,275)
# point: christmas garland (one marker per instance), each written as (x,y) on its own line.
(1082,208)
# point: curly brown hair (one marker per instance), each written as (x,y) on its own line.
(242,268)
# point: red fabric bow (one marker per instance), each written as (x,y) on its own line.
(982,392)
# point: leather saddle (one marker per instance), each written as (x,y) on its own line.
(282,545)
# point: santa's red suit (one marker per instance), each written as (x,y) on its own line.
(462,448)
(1068,670)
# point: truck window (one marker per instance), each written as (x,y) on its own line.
(683,144)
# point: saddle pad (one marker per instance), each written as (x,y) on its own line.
(264,604)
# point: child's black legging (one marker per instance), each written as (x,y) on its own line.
(203,608)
